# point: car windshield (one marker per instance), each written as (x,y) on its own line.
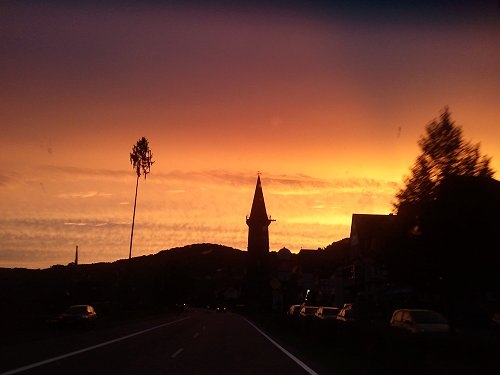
(428,317)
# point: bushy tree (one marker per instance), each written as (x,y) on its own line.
(141,159)
(444,153)
(449,215)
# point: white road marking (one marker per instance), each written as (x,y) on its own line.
(309,370)
(59,357)
(196,335)
(179,351)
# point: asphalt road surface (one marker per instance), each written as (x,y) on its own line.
(198,342)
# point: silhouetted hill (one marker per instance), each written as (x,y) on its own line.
(195,274)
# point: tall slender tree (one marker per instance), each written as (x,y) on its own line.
(444,154)
(141,159)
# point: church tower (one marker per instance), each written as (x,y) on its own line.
(258,223)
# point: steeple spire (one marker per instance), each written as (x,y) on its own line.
(258,223)
(258,212)
(257,288)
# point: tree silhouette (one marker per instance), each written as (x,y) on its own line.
(141,159)
(444,154)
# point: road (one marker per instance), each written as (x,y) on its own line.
(198,342)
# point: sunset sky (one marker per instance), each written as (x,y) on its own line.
(326,100)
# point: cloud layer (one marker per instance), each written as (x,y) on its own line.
(92,208)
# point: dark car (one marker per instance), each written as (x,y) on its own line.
(308,311)
(77,315)
(347,314)
(294,310)
(325,312)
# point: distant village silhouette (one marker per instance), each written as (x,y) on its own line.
(448,262)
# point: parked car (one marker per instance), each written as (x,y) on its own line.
(325,312)
(308,311)
(294,310)
(347,314)
(419,321)
(77,315)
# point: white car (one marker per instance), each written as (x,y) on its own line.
(420,321)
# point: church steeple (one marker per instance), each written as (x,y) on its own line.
(258,223)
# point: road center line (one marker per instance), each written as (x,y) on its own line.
(309,370)
(179,351)
(59,357)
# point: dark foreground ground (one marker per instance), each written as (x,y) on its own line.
(330,347)
(379,349)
